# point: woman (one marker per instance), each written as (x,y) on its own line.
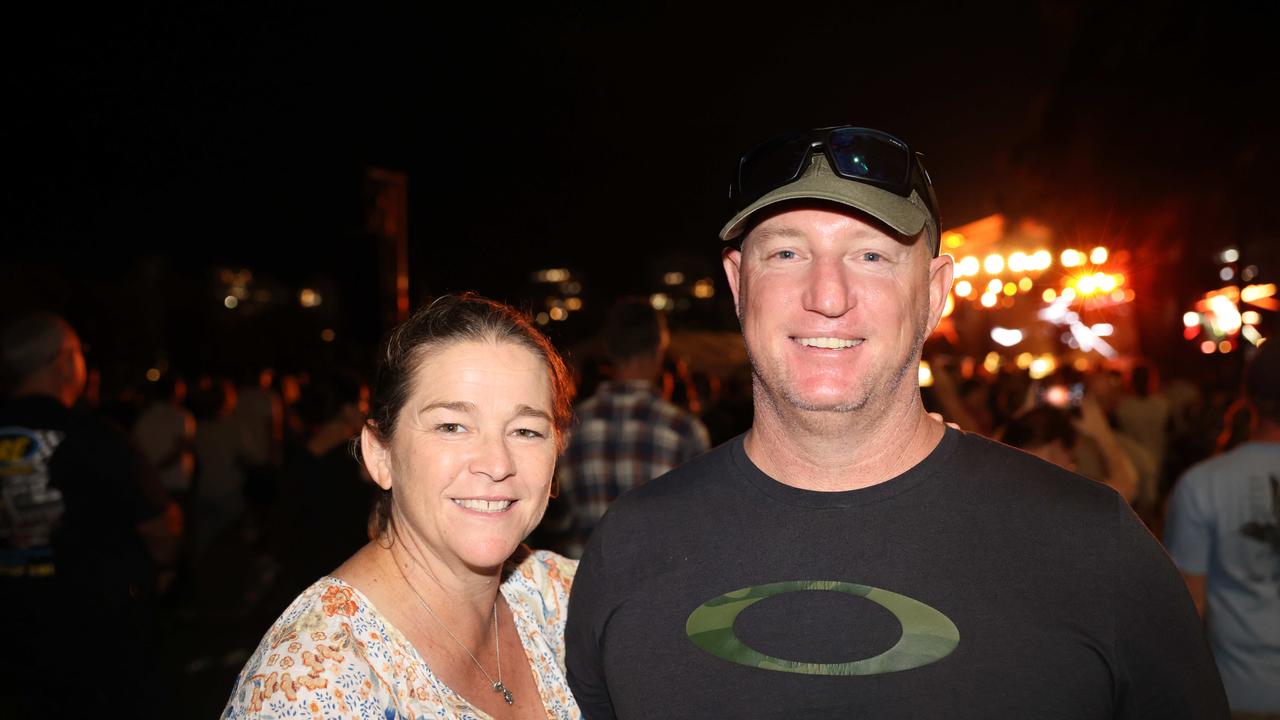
(442,614)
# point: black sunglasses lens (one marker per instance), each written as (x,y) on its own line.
(862,155)
(771,165)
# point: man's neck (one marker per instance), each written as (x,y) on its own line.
(830,451)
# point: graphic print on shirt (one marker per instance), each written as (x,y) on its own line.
(1266,564)
(927,635)
(29,508)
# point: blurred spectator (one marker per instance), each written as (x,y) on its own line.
(220,451)
(625,434)
(1223,531)
(326,495)
(1051,434)
(83,526)
(165,432)
(1143,415)
(730,416)
(259,413)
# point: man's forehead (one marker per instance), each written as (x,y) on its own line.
(805,221)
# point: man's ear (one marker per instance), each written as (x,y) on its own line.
(377,457)
(732,259)
(941,272)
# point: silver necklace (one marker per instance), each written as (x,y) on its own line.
(498,687)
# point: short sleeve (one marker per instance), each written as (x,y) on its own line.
(1189,528)
(584,660)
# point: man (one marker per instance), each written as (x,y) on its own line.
(626,434)
(850,556)
(1224,534)
(79,513)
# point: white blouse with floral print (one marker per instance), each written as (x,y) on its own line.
(333,655)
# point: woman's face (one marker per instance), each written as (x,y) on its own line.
(473,453)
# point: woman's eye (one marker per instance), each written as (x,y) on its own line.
(450,428)
(527,433)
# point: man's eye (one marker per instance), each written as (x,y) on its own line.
(451,428)
(872,256)
(785,254)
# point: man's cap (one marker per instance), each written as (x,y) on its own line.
(905,215)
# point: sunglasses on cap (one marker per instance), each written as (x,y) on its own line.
(857,154)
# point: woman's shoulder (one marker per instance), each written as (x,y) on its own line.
(329,654)
(543,570)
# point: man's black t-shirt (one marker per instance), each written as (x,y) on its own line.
(983,583)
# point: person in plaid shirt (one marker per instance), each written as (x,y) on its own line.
(626,434)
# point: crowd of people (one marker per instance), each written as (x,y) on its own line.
(327,547)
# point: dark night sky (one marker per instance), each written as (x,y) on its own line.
(596,137)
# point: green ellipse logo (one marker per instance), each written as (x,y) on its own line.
(927,635)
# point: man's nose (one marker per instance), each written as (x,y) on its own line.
(829,289)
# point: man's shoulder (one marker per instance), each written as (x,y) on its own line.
(702,477)
(1011,472)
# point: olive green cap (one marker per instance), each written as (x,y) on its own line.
(906,215)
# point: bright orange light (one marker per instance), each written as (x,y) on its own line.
(1225,346)
(1041,260)
(1253,293)
(993,264)
(573,303)
(1106,283)
(995,285)
(1087,285)
(1226,314)
(925,374)
(988,299)
(1023,361)
(967,266)
(1208,347)
(950,306)
(1098,255)
(1250,317)
(1191,319)
(1049,295)
(1018,262)
(1010,289)
(1069,294)
(1081,364)
(964,288)
(1042,367)
(1025,284)
(953,239)
(1071,258)
(991,363)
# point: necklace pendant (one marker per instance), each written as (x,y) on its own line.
(506,694)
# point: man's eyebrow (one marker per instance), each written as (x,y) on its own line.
(455,405)
(786,232)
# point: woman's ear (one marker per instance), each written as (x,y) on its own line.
(377,457)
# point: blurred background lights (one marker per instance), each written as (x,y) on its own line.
(660,301)
(1018,262)
(1230,255)
(991,363)
(309,298)
(1007,337)
(153,374)
(1098,255)
(673,278)
(964,288)
(925,374)
(967,266)
(704,288)
(230,301)
(1042,367)
(327,335)
(1071,258)
(993,264)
